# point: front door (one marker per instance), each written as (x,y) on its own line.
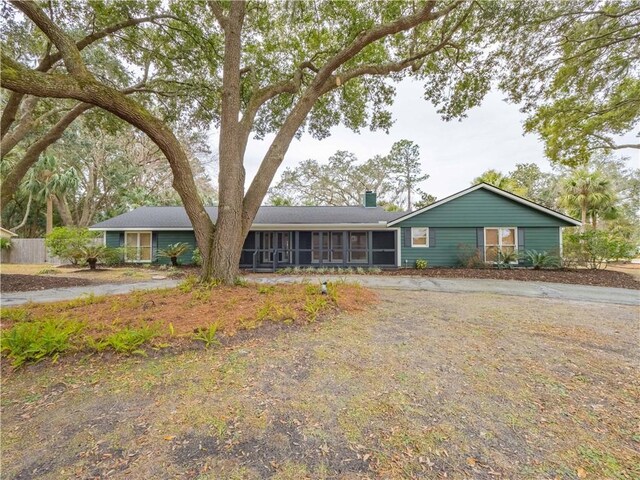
(279,242)
(337,247)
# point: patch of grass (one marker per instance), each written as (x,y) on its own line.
(27,342)
(188,284)
(84,300)
(605,465)
(266,289)
(16,314)
(313,305)
(127,341)
(207,335)
(47,271)
(132,273)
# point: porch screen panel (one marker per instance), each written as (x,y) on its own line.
(358,247)
(383,241)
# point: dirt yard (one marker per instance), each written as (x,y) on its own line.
(423,385)
(29,277)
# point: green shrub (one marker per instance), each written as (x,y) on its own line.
(421,263)
(67,242)
(188,284)
(5,243)
(540,260)
(92,254)
(594,248)
(207,335)
(113,257)
(240,282)
(33,341)
(506,259)
(173,251)
(127,341)
(470,257)
(313,306)
(196,258)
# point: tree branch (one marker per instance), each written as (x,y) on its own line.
(17,173)
(275,154)
(216,9)
(50,59)
(65,44)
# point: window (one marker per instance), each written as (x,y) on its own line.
(332,247)
(358,249)
(138,246)
(498,240)
(420,237)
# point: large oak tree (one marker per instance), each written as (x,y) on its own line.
(274,69)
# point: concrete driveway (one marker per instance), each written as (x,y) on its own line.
(70,293)
(579,293)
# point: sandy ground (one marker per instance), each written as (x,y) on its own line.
(423,385)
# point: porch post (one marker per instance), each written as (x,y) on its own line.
(345,239)
(370,247)
(296,248)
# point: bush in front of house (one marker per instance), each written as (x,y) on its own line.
(173,251)
(470,257)
(92,254)
(5,243)
(539,260)
(68,242)
(196,258)
(594,248)
(421,263)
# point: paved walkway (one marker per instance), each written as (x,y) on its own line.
(69,293)
(580,293)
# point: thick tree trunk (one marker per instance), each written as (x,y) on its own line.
(49,226)
(64,211)
(228,237)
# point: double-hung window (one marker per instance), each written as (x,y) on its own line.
(499,239)
(420,237)
(138,246)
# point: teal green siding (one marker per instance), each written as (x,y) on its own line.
(450,240)
(445,253)
(112,239)
(482,208)
(159,241)
(455,224)
(167,238)
(542,240)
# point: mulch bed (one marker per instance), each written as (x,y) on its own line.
(25,283)
(600,278)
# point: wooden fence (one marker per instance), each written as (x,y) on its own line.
(30,250)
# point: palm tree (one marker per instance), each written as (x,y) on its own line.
(588,194)
(47,182)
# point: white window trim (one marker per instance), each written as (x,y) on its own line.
(426,245)
(515,246)
(127,260)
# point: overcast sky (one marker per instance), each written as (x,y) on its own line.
(452,153)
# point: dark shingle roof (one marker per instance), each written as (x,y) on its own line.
(176,217)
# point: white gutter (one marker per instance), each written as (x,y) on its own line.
(264,226)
